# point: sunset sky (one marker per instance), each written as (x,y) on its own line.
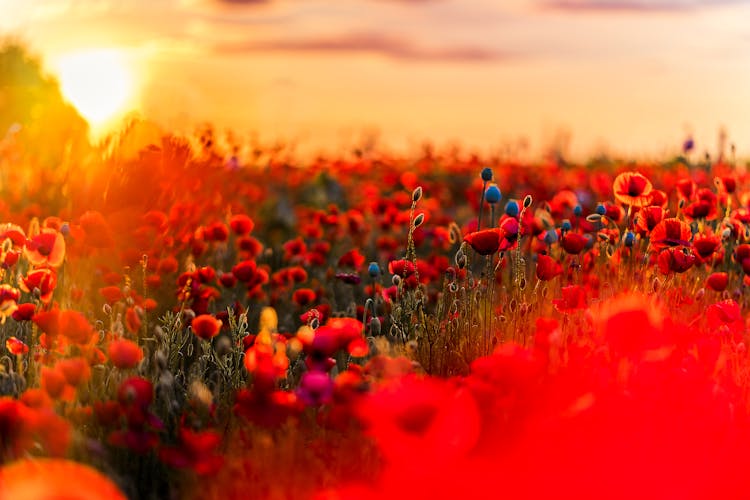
(631,77)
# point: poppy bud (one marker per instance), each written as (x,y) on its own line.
(629,239)
(550,237)
(418,220)
(493,194)
(373,270)
(601,209)
(577,210)
(527,201)
(566,226)
(461,261)
(375,326)
(416,195)
(486,174)
(512,209)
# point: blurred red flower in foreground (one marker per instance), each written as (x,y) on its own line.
(573,298)
(55,479)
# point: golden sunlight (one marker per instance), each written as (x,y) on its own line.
(98,82)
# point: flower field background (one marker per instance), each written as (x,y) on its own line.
(181,323)
(417,327)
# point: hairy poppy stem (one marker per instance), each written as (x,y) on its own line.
(481,206)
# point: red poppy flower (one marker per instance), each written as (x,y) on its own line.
(486,241)
(547,267)
(573,298)
(742,257)
(11,258)
(53,382)
(670,233)
(573,243)
(706,245)
(14,233)
(71,324)
(353,278)
(717,281)
(136,392)
(241,224)
(632,188)
(249,246)
(701,209)
(297,274)
(124,354)
(43,280)
(659,198)
(133,319)
(111,294)
(244,271)
(647,218)
(217,231)
(685,188)
(75,327)
(402,267)
(168,265)
(726,315)
(206,326)
(98,233)
(727,184)
(15,346)
(352,258)
(415,420)
(304,297)
(675,260)
(75,370)
(227,280)
(24,312)
(294,250)
(61,479)
(8,300)
(197,451)
(336,334)
(46,248)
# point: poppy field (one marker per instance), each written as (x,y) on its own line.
(180,322)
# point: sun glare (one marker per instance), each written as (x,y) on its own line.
(99,83)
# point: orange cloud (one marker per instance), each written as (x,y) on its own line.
(393,47)
(634,5)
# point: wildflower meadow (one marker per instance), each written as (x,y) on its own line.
(182,320)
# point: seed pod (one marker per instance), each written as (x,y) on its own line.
(461,261)
(416,195)
(375,326)
(418,220)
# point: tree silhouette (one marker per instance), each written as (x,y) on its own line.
(33,114)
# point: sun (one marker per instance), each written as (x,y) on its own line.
(98,82)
